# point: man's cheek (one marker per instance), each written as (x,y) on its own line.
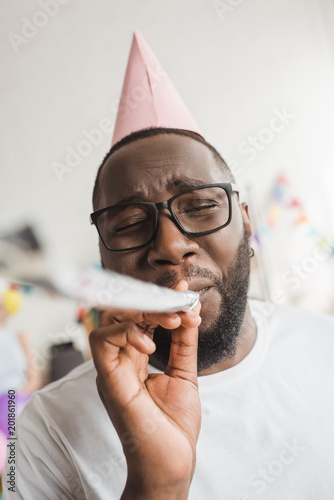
(115,262)
(219,248)
(211,305)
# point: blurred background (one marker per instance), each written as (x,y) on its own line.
(258,77)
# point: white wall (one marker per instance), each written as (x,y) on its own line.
(233,69)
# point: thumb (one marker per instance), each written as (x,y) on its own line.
(182,361)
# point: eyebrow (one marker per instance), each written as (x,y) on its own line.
(175,184)
(182,184)
(137,196)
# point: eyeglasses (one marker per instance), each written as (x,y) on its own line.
(197,211)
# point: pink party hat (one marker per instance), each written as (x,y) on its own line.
(149,99)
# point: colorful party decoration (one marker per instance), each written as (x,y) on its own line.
(281,202)
(20,401)
(3,449)
(12,300)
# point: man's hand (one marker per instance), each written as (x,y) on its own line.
(157,416)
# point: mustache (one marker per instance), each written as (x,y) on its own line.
(171,278)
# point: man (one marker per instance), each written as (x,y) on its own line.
(257,422)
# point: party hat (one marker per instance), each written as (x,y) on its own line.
(149,99)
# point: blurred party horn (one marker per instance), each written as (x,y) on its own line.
(23,260)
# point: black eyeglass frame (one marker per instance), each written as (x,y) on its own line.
(229,188)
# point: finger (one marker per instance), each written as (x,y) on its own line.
(191,319)
(106,317)
(147,321)
(118,354)
(181,286)
(170,321)
(182,361)
(107,341)
(114,316)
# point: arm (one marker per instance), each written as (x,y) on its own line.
(42,468)
(157,417)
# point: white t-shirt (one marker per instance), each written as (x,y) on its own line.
(267,429)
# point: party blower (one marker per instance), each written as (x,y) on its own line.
(23,260)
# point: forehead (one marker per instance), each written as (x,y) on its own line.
(155,168)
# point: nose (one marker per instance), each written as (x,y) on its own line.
(170,246)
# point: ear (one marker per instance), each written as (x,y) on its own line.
(245,216)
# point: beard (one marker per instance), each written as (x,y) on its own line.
(220,339)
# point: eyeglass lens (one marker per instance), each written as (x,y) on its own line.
(201,210)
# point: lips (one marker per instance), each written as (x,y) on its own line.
(204,290)
(200,286)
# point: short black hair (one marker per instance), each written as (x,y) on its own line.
(152,131)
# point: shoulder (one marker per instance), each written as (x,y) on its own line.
(68,396)
(81,378)
(62,432)
(270,311)
(293,322)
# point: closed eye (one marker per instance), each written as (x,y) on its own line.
(199,208)
(128,225)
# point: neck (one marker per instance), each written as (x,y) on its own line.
(247,337)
